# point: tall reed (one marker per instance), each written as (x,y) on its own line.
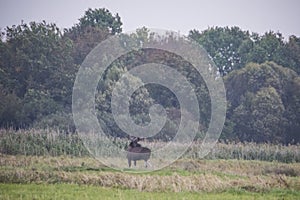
(46,142)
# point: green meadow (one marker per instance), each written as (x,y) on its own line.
(67,177)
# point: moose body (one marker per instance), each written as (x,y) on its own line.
(136,152)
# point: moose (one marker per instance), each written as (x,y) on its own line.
(136,152)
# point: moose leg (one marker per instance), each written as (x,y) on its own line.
(129,163)
(146,163)
(134,162)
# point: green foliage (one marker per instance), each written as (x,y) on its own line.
(37,104)
(293,110)
(292,53)
(101,18)
(223,45)
(37,57)
(269,47)
(260,117)
(232,48)
(144,97)
(260,104)
(84,40)
(10,109)
(38,65)
(95,26)
(60,120)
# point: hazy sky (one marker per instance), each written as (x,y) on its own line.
(254,15)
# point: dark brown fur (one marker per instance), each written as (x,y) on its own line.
(136,152)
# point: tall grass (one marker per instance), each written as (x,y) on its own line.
(54,143)
(40,143)
(254,151)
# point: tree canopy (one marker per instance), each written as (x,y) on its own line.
(232,48)
(39,62)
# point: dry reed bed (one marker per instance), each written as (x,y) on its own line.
(183,175)
(174,183)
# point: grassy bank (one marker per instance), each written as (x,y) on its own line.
(182,176)
(73,192)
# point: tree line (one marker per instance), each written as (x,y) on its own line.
(39,62)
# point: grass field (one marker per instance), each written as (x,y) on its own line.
(45,164)
(73,191)
(65,177)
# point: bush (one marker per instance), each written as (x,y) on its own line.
(57,121)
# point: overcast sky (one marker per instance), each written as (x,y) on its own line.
(255,15)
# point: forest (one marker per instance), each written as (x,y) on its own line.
(39,62)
